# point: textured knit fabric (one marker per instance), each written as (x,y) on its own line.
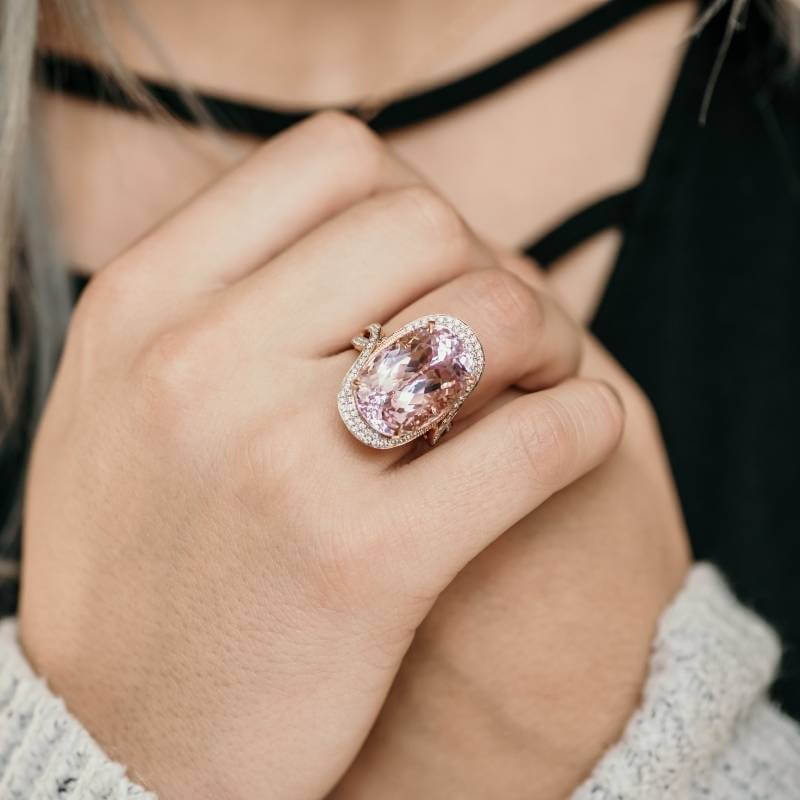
(45,754)
(704,729)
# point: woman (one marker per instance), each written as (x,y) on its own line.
(233,595)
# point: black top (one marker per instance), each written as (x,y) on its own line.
(699,307)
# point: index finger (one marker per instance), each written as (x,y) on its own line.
(286,188)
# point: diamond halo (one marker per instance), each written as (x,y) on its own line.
(372,344)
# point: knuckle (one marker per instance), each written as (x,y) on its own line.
(101,314)
(176,400)
(344,132)
(510,306)
(102,299)
(168,372)
(434,218)
(546,440)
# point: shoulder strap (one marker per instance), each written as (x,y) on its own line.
(611,211)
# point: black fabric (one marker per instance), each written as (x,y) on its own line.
(611,211)
(702,310)
(701,304)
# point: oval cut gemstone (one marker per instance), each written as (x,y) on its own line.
(414,380)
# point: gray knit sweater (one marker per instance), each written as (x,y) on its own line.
(705,728)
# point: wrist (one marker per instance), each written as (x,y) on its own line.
(112,688)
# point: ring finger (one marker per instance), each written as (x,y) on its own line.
(528,339)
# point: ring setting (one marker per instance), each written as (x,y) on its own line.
(412,383)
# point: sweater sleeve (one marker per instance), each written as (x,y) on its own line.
(705,728)
(45,754)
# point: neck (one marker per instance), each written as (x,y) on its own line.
(316,52)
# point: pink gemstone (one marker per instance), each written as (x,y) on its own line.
(414,380)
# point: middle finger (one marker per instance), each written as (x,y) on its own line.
(362,266)
(528,340)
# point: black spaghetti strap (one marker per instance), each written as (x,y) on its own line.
(81,79)
(449,96)
(610,211)
(77,78)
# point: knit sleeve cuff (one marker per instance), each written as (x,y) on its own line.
(703,705)
(45,754)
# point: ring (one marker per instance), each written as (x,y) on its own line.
(412,383)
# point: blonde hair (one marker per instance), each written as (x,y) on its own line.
(36,298)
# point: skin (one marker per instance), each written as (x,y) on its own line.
(566,600)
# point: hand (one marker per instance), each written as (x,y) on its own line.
(218,578)
(531,662)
